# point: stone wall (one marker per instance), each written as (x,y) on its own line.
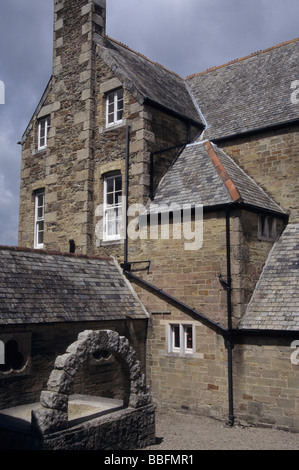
(266,383)
(271,159)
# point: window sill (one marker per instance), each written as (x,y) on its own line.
(266,239)
(187,355)
(39,151)
(119,241)
(113,127)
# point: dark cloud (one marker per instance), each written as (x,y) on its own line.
(186,36)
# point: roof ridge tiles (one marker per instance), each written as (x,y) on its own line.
(253,54)
(55,253)
(144,57)
(227,181)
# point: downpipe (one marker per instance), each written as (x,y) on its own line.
(229,335)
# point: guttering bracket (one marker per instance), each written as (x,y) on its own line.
(126,267)
(225,284)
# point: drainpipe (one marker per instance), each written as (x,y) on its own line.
(229,335)
(126,195)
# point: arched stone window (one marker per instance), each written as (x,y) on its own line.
(53,415)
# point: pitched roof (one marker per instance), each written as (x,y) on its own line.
(147,80)
(249,93)
(44,287)
(275,301)
(205,174)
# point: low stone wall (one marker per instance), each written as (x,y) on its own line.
(124,429)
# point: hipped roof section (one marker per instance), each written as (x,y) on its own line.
(204,174)
(48,287)
(249,93)
(149,81)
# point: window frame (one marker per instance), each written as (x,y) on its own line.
(267,230)
(116,206)
(182,348)
(116,108)
(44,122)
(38,220)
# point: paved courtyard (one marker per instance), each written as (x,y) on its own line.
(180,431)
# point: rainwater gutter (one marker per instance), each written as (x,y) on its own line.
(252,132)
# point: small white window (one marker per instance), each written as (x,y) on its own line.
(39,219)
(112,207)
(180,339)
(114,107)
(43,130)
(266,228)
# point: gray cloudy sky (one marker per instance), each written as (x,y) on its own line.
(186,36)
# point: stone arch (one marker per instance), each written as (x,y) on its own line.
(53,415)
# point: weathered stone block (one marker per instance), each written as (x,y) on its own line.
(79,348)
(69,363)
(54,400)
(60,381)
(47,421)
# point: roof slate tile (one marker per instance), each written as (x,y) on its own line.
(36,287)
(275,301)
(194,179)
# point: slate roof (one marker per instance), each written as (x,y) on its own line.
(40,287)
(275,302)
(249,93)
(147,80)
(204,174)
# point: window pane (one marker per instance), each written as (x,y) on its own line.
(110,228)
(189,338)
(119,115)
(118,185)
(40,232)
(110,199)
(176,336)
(110,185)
(110,98)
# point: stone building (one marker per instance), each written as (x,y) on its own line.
(223,145)
(47,299)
